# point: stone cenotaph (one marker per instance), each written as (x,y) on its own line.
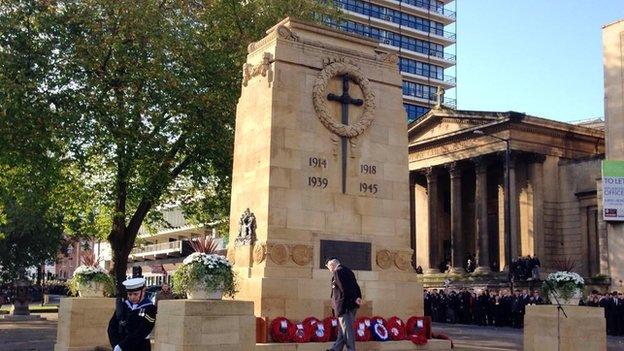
(321,163)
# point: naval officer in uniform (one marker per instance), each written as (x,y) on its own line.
(130,330)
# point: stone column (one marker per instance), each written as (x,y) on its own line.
(481,216)
(514,213)
(457,245)
(536,176)
(433,210)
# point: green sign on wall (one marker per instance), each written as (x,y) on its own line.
(613,190)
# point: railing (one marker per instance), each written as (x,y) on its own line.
(450,103)
(173,246)
(427,5)
(444,55)
(447,79)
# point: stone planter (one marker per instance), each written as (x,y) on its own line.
(199,292)
(572,301)
(91,289)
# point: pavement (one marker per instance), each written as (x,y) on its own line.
(41,336)
(29,335)
(477,338)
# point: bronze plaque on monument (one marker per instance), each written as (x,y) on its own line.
(355,255)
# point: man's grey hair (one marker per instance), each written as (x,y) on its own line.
(333,261)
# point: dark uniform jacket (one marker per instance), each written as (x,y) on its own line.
(345,290)
(139,322)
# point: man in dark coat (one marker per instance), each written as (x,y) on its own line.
(346,298)
(131,331)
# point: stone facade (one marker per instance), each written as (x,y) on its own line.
(457,167)
(613,46)
(289,170)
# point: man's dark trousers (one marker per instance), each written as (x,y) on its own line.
(346,333)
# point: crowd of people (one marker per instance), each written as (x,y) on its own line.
(500,308)
(613,304)
(525,268)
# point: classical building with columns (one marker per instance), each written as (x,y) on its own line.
(459,191)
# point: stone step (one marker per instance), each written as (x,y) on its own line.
(404,345)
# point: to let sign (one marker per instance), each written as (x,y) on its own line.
(613,190)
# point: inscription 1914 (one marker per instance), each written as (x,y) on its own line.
(314,181)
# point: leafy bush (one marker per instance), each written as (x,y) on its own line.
(209,271)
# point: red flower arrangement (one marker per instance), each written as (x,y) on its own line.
(282,330)
(419,339)
(362,329)
(396,328)
(303,332)
(331,326)
(319,333)
(415,325)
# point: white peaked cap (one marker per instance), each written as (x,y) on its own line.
(134,284)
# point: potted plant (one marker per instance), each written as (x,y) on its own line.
(89,279)
(566,286)
(204,274)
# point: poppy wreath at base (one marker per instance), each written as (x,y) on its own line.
(303,333)
(419,339)
(319,332)
(282,330)
(412,328)
(379,330)
(362,329)
(396,328)
(331,325)
(379,319)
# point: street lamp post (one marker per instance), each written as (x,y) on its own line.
(507,199)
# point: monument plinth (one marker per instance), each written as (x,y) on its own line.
(207,325)
(583,329)
(83,323)
(321,159)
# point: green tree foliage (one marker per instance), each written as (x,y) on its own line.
(136,97)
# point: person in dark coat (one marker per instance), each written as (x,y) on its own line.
(517,306)
(427,303)
(346,298)
(481,310)
(131,331)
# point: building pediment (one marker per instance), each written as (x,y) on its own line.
(436,124)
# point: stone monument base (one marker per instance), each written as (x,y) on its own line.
(405,345)
(207,325)
(83,323)
(22,318)
(584,329)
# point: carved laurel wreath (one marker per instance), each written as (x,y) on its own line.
(319,98)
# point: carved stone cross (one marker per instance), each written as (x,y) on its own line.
(345,99)
(439,97)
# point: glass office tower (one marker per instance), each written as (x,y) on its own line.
(418,30)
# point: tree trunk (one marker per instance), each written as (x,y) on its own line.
(122,242)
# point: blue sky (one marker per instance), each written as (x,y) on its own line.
(542,57)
